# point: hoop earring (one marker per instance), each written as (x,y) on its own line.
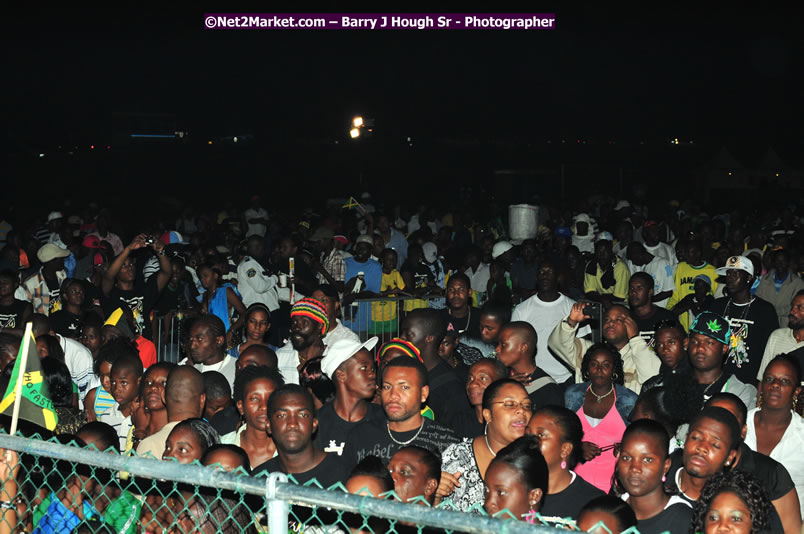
(795,403)
(615,377)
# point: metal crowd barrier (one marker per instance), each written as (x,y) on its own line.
(279,509)
(382,317)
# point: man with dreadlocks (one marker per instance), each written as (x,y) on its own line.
(308,325)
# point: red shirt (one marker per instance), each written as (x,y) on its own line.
(147,351)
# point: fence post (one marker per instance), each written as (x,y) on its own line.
(277,510)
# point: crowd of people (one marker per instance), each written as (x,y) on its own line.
(627,364)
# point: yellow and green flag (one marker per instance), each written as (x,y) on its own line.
(35,404)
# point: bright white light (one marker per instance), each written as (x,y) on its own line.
(234,139)
(354,133)
(42,156)
(357,122)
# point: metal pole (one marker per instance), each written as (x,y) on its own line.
(159,350)
(277,510)
(172,318)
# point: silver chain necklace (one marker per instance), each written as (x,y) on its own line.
(404,443)
(468,320)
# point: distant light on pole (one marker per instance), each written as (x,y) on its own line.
(357,122)
(354,133)
(234,139)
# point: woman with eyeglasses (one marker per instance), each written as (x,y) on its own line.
(507,410)
(603,405)
(773,427)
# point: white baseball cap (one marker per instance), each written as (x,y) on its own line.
(740,263)
(342,350)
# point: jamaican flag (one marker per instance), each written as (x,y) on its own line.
(35,404)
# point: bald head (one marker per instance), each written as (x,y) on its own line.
(184,393)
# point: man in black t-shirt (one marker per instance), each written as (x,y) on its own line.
(404,390)
(291,423)
(465,318)
(646,314)
(425,328)
(350,367)
(517,351)
(14,313)
(120,282)
(752,319)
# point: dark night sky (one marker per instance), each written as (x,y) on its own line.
(603,74)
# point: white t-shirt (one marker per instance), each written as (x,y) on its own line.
(781,341)
(665,251)
(79,361)
(662,273)
(338,333)
(227,367)
(288,361)
(256,286)
(255,229)
(479,278)
(544,316)
(787,452)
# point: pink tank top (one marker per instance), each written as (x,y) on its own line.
(609,431)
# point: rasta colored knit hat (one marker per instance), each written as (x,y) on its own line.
(312,308)
(712,325)
(406,347)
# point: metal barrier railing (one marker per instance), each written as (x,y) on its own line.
(280,496)
(167,337)
(382,317)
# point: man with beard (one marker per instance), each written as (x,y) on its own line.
(308,325)
(207,348)
(788,339)
(350,367)
(752,319)
(404,389)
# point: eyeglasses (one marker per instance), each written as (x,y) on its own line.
(514,405)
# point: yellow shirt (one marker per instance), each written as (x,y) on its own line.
(621,277)
(385,310)
(685,285)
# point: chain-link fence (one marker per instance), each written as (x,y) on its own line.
(57,487)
